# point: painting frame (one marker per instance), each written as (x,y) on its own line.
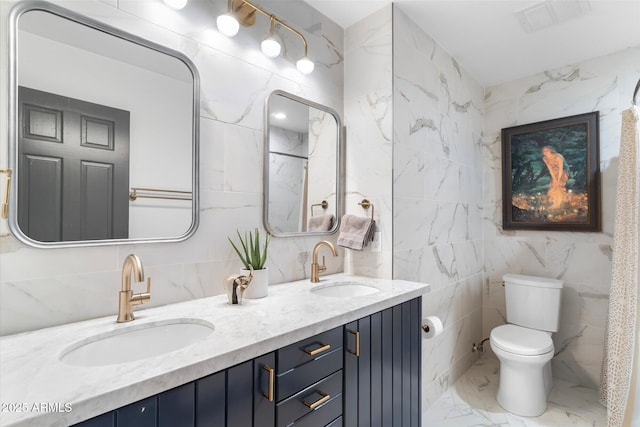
(551,175)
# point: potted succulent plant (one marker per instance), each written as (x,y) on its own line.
(253,255)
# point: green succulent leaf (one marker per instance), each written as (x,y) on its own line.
(252,254)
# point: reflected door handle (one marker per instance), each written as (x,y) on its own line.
(5,203)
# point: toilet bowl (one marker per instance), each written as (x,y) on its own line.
(524,346)
(525,369)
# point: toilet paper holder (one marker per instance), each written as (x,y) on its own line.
(432,326)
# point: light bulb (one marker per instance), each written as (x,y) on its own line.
(227,24)
(279,115)
(271,46)
(305,65)
(176,4)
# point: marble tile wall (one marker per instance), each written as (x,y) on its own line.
(40,288)
(438,113)
(582,260)
(368,116)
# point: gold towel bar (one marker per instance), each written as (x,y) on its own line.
(5,203)
(134,194)
(366,204)
(324,204)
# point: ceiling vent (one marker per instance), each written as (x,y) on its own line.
(551,12)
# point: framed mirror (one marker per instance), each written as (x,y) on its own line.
(302,167)
(103,133)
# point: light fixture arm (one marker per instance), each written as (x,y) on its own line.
(293,30)
(272,27)
(275,19)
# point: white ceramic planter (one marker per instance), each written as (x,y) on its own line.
(259,287)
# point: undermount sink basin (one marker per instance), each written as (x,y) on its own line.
(344,289)
(136,342)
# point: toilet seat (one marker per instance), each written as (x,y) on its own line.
(521,341)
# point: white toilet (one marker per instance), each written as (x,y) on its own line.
(524,346)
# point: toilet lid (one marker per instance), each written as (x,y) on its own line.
(519,340)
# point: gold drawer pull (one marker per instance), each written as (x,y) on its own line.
(318,350)
(357,335)
(318,402)
(271,372)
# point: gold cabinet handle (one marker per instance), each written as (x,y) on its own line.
(318,402)
(271,372)
(357,335)
(318,350)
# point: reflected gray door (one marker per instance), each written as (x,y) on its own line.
(73,168)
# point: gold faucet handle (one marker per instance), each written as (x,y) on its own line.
(137,299)
(322,267)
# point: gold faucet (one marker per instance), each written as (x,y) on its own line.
(128,299)
(316,268)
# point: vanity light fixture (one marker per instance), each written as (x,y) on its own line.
(243,12)
(271,46)
(305,65)
(227,23)
(176,4)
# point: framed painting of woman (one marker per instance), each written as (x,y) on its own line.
(551,175)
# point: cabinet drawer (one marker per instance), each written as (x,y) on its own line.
(322,417)
(298,378)
(335,423)
(303,351)
(316,405)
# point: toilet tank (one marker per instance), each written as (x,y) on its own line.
(533,302)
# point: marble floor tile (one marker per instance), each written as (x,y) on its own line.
(471,401)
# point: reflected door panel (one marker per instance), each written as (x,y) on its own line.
(74,168)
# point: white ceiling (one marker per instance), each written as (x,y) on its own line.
(486,38)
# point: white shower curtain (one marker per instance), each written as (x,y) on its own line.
(620,340)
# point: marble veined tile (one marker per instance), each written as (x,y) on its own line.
(471,402)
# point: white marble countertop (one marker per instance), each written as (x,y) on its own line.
(31,374)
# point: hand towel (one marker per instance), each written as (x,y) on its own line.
(356,232)
(320,223)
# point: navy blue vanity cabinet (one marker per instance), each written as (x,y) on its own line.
(264,406)
(382,368)
(211,400)
(241,396)
(104,420)
(365,373)
(310,381)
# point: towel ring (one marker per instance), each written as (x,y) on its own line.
(324,205)
(366,204)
